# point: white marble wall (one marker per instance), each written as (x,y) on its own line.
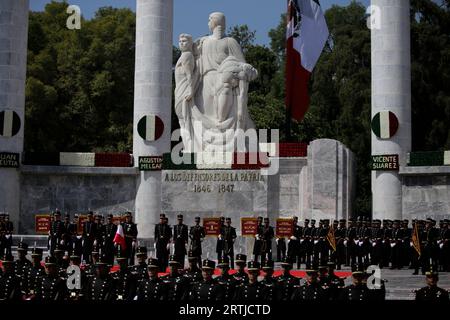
(391,90)
(153,95)
(13,62)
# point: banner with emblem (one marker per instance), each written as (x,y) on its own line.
(415,240)
(212,226)
(331,238)
(249,226)
(284,227)
(42,223)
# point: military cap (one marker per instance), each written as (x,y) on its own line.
(268,265)
(351,219)
(446,221)
(241,258)
(67,215)
(90,213)
(37,252)
(223,262)
(95,250)
(141,251)
(128,213)
(152,263)
(173,260)
(191,256)
(22,246)
(74,257)
(306,220)
(208,264)
(227,219)
(286,262)
(197,218)
(358,270)
(180,216)
(110,216)
(120,256)
(103,261)
(342,220)
(8,259)
(314,269)
(50,260)
(59,248)
(253,266)
(313,220)
(57,212)
(266,219)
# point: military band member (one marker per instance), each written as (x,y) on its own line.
(180,240)
(109,232)
(153,287)
(286,281)
(36,270)
(258,239)
(294,243)
(125,282)
(271,292)
(267,236)
(240,275)
(207,289)
(227,282)
(311,290)
(163,234)
(51,286)
(229,236)
(89,236)
(251,290)
(193,273)
(197,234)
(130,232)
(100,287)
(140,270)
(219,243)
(9,282)
(56,232)
(432,292)
(177,284)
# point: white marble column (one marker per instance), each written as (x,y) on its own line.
(152,96)
(391,91)
(13,65)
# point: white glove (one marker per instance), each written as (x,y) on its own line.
(393,245)
(441,245)
(95,242)
(356,241)
(257,237)
(201,239)
(301,240)
(168,246)
(220,237)
(133,244)
(276,240)
(360,243)
(411,243)
(345,242)
(374,244)
(78,237)
(293,238)
(316,241)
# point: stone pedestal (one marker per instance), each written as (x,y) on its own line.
(13,63)
(391,91)
(153,97)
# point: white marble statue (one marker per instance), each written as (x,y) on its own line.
(211,91)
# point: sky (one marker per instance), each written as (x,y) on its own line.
(191,16)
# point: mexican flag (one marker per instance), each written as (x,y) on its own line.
(384,124)
(150,127)
(307,33)
(119,238)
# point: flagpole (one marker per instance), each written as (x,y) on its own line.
(288,107)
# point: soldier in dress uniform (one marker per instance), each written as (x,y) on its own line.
(251,290)
(207,289)
(396,245)
(67,236)
(140,270)
(89,236)
(130,232)
(36,270)
(180,240)
(349,242)
(330,281)
(312,290)
(444,246)
(8,229)
(197,234)
(163,234)
(267,236)
(193,273)
(91,269)
(62,263)
(9,282)
(271,292)
(241,276)
(430,250)
(51,286)
(219,243)
(229,236)
(339,234)
(386,240)
(125,282)
(153,287)
(294,243)
(177,284)
(22,264)
(432,292)
(2,234)
(109,232)
(77,237)
(227,282)
(286,281)
(76,292)
(258,235)
(56,233)
(100,287)
(377,243)
(306,244)
(358,291)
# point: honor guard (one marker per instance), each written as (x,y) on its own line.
(252,290)
(51,286)
(125,283)
(77,284)
(89,236)
(294,243)
(339,234)
(229,236)
(330,281)
(61,261)
(67,237)
(100,287)
(56,232)
(197,234)
(311,290)
(77,237)
(22,264)
(271,292)
(193,273)
(432,292)
(227,282)
(180,240)
(35,271)
(444,246)
(9,282)
(219,243)
(207,289)
(267,237)
(358,291)
(177,284)
(109,232)
(130,232)
(153,287)
(140,270)
(163,233)
(258,240)
(286,281)
(240,275)
(91,269)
